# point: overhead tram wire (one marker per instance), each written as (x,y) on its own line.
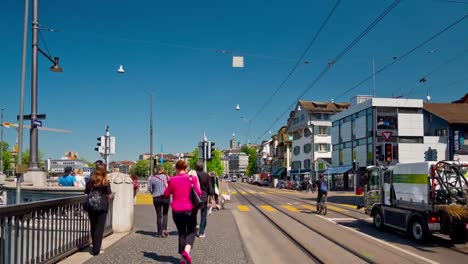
(298,62)
(397,59)
(335,60)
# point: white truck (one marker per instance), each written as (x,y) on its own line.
(419,198)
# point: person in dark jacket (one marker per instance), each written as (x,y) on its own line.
(98,184)
(206,186)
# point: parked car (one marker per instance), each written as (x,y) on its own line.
(234,179)
(266,183)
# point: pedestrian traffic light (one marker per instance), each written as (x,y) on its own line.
(378,153)
(388,152)
(210,149)
(101,144)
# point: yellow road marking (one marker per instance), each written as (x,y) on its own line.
(268,208)
(243,192)
(290,208)
(253,192)
(144,199)
(261,193)
(270,192)
(350,206)
(233,192)
(308,206)
(224,192)
(337,209)
(243,208)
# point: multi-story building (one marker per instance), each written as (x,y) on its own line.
(282,160)
(378,131)
(238,163)
(122,166)
(263,157)
(309,127)
(57,167)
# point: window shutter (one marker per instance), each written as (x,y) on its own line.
(315,130)
(327,147)
(316,147)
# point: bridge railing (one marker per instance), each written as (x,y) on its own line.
(45,231)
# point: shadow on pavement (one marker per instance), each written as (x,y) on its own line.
(159,258)
(153,234)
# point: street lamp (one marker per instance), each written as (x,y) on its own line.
(34,140)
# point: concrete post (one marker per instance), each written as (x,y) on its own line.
(123,207)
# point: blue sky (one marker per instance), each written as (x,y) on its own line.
(169,48)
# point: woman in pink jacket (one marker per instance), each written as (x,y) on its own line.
(183,213)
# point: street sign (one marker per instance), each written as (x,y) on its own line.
(112,145)
(387,135)
(37,123)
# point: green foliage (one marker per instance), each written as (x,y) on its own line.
(214,164)
(25,158)
(7,165)
(169,168)
(141,168)
(252,166)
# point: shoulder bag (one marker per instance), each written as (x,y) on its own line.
(194,198)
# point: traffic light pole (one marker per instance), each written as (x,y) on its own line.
(107,147)
(205,152)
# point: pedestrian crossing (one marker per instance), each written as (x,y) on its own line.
(296,208)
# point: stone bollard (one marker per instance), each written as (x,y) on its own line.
(123,208)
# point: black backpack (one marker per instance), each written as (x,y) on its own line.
(96,201)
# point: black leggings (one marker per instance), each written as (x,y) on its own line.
(186,223)
(161,206)
(97,220)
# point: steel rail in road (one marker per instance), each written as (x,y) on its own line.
(341,245)
(440,241)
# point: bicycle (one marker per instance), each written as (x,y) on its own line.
(322,206)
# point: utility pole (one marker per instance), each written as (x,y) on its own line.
(151,138)
(1,141)
(205,152)
(373,76)
(33,145)
(107,147)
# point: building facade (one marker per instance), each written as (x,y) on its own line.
(378,131)
(309,128)
(57,167)
(238,163)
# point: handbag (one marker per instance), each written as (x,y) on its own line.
(194,198)
(95,201)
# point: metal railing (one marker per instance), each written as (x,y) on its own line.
(45,231)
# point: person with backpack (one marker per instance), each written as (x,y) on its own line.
(99,194)
(186,194)
(322,186)
(206,187)
(156,186)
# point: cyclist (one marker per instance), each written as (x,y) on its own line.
(322,186)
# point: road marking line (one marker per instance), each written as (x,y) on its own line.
(243,208)
(271,192)
(268,208)
(351,206)
(342,219)
(383,242)
(243,192)
(290,208)
(253,192)
(337,209)
(233,192)
(261,192)
(308,206)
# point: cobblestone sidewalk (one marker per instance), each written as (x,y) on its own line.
(222,244)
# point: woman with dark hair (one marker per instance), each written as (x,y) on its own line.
(99,195)
(183,213)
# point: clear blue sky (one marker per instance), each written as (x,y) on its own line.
(169,48)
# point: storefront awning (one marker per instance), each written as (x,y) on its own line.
(278,172)
(338,170)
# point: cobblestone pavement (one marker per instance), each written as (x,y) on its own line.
(222,244)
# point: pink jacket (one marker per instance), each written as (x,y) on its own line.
(180,188)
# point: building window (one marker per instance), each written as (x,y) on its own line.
(302,117)
(307,132)
(297,150)
(441,132)
(361,114)
(307,148)
(336,124)
(410,139)
(348,145)
(322,130)
(409,110)
(322,147)
(386,122)
(296,165)
(326,116)
(362,141)
(307,164)
(296,135)
(318,116)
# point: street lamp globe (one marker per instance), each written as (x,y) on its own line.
(237,107)
(56,67)
(121,69)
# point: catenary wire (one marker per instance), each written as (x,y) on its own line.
(398,59)
(298,62)
(335,60)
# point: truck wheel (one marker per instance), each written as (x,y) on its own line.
(378,219)
(418,230)
(457,235)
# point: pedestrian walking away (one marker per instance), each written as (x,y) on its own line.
(181,187)
(68,180)
(136,186)
(206,186)
(215,183)
(78,173)
(156,186)
(97,205)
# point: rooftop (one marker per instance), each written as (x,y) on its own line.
(323,107)
(452,113)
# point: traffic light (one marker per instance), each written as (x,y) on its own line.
(210,149)
(388,152)
(101,144)
(378,153)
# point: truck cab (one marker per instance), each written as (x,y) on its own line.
(418,198)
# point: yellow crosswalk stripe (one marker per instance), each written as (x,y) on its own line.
(261,193)
(253,192)
(243,192)
(144,199)
(270,192)
(350,206)
(337,209)
(233,192)
(243,208)
(308,206)
(290,208)
(268,208)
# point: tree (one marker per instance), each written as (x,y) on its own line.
(214,164)
(252,153)
(169,168)
(6,156)
(25,158)
(141,168)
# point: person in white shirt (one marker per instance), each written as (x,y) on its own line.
(78,173)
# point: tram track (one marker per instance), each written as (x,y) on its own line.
(313,255)
(439,240)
